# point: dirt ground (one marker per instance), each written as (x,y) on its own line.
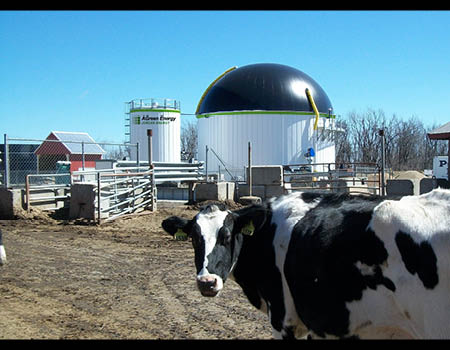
(124,279)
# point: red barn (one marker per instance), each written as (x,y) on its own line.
(68,146)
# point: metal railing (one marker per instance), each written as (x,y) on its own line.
(164,172)
(121,193)
(48,189)
(364,178)
(176,172)
(153,103)
(123,188)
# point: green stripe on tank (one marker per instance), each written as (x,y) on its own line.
(207,115)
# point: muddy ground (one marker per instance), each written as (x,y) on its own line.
(125,279)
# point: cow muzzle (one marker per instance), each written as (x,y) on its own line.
(209,285)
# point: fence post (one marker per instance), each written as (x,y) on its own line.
(27,192)
(138,163)
(82,154)
(152,169)
(150,155)
(6,157)
(99,208)
(383,165)
(206,163)
(153,191)
(249,180)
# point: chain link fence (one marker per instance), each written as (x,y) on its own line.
(55,156)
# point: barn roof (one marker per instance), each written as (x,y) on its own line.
(441,133)
(69,143)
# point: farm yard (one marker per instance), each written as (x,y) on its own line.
(124,279)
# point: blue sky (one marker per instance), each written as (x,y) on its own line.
(74,70)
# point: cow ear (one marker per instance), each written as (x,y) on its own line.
(250,219)
(176,226)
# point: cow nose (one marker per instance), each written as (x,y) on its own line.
(207,286)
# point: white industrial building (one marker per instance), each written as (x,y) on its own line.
(267,105)
(162,116)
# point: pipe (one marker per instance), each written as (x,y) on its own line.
(210,86)
(316,112)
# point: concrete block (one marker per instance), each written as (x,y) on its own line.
(10,202)
(339,186)
(214,191)
(266,174)
(249,200)
(173,193)
(404,187)
(349,185)
(258,191)
(274,191)
(427,184)
(82,199)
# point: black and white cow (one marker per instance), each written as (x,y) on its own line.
(2,251)
(332,266)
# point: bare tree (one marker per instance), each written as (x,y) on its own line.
(407,154)
(189,139)
(363,135)
(407,144)
(117,151)
(342,143)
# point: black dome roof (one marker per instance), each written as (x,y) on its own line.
(264,86)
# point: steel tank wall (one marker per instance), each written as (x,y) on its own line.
(165,125)
(273,106)
(276,137)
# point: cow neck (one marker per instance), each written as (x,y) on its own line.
(255,270)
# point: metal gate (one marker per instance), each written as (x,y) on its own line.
(363,178)
(122,193)
(48,191)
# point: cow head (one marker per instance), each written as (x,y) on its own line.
(217,237)
(2,251)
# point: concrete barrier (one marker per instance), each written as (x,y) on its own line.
(82,201)
(273,191)
(257,190)
(249,200)
(403,187)
(266,174)
(427,185)
(352,185)
(10,202)
(214,191)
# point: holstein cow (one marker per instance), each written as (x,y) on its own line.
(2,251)
(332,266)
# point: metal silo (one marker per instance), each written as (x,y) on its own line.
(162,116)
(282,111)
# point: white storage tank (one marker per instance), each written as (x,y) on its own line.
(162,116)
(266,104)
